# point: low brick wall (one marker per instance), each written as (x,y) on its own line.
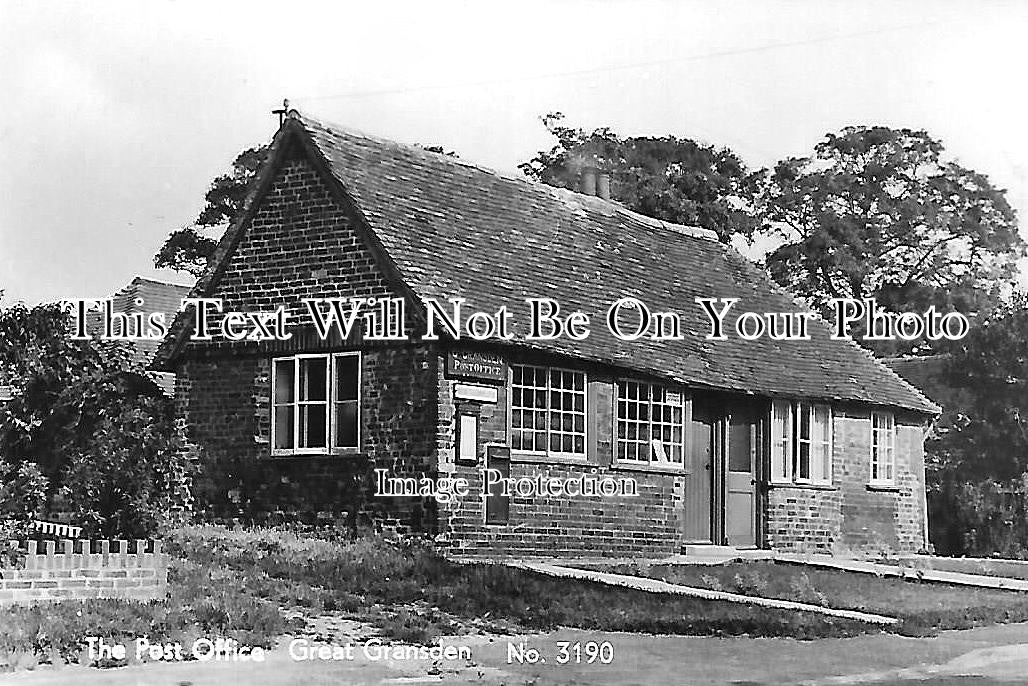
(56,570)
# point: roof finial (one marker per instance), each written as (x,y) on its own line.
(282,113)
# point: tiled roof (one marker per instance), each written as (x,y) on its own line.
(454,229)
(155,296)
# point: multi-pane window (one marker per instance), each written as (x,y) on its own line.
(883,448)
(650,424)
(315,403)
(547,410)
(801,442)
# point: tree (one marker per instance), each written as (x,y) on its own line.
(977,460)
(988,436)
(100,434)
(674,179)
(878,212)
(187,249)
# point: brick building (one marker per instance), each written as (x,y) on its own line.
(802,445)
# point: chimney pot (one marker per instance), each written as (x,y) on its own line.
(588,181)
(603,186)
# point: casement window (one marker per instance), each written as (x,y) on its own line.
(650,424)
(315,404)
(883,448)
(547,409)
(801,442)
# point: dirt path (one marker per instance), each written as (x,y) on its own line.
(997,654)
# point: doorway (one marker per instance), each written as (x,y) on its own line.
(722,496)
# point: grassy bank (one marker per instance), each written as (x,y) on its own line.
(247,584)
(923,607)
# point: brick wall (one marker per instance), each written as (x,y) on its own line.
(850,516)
(57,570)
(302,244)
(647,524)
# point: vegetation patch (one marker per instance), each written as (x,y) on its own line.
(922,606)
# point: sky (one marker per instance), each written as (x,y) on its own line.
(117,115)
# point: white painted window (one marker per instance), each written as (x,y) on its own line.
(315,403)
(650,425)
(883,448)
(781,441)
(547,409)
(801,443)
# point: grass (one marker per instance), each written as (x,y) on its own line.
(247,584)
(923,607)
(411,592)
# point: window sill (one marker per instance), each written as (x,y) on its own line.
(339,452)
(548,458)
(650,469)
(803,486)
(883,488)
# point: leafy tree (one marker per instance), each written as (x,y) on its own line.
(187,249)
(879,212)
(97,430)
(674,179)
(977,462)
(988,435)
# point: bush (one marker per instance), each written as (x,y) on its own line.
(93,424)
(22,497)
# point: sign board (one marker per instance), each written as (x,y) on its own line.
(483,394)
(481,366)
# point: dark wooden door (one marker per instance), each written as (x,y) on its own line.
(699,503)
(740,500)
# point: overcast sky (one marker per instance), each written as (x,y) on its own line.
(116,116)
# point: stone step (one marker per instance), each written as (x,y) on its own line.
(723,551)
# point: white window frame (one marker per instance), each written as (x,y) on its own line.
(583,456)
(331,399)
(786,440)
(334,396)
(652,460)
(888,429)
(781,443)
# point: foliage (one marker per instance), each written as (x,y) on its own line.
(977,459)
(187,249)
(979,517)
(674,179)
(100,433)
(22,498)
(879,212)
(987,435)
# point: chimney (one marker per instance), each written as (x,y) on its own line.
(588,185)
(603,186)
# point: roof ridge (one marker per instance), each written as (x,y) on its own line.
(161,282)
(693,231)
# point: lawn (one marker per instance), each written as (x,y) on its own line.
(256,584)
(922,606)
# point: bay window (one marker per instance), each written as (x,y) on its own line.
(801,442)
(315,403)
(650,423)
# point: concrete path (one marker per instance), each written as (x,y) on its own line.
(658,586)
(905,572)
